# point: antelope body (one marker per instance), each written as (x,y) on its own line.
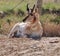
(30,27)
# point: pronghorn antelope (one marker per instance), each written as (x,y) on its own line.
(30,27)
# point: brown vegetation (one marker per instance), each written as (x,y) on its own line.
(51,29)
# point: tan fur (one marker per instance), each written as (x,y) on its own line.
(31,26)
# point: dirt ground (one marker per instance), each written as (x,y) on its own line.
(46,46)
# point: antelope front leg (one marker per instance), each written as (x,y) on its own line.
(13,30)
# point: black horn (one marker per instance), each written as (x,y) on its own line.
(27,8)
(33,8)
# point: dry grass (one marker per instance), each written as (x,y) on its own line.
(6,27)
(51,29)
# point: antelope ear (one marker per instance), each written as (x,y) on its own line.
(33,8)
(27,8)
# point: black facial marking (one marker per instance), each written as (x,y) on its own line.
(25,18)
(34,17)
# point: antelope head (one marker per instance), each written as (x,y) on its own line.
(30,16)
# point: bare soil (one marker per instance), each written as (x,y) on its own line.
(46,46)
